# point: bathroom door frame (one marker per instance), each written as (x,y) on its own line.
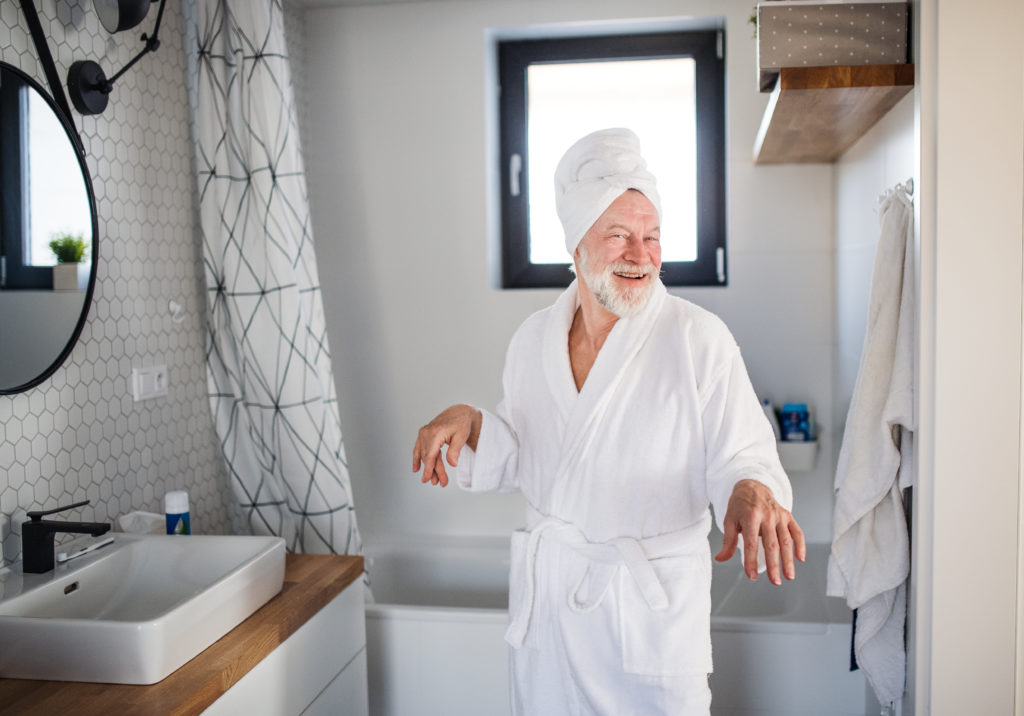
(967,585)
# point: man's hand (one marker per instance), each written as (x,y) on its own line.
(457,426)
(753,512)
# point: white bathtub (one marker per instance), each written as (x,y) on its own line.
(435,636)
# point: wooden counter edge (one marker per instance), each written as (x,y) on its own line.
(311,581)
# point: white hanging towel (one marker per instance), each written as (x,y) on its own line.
(870,559)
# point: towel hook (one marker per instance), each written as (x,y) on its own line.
(907,187)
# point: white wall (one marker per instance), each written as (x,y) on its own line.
(885,156)
(397,161)
(967,530)
(78,435)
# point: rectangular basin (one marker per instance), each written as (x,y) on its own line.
(133,611)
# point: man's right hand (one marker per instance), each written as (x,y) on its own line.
(457,426)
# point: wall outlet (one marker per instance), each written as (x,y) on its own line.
(149,382)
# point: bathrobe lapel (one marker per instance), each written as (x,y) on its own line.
(555,353)
(582,411)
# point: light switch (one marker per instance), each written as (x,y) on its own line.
(149,382)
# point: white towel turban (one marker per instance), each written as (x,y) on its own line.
(594,172)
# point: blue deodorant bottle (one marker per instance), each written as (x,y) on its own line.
(176,508)
(796,423)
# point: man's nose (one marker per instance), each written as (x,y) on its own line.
(636,250)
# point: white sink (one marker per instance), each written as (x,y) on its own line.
(134,611)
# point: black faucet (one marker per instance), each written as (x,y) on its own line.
(37,537)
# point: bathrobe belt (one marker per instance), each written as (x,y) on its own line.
(604,560)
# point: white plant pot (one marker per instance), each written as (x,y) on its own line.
(70,277)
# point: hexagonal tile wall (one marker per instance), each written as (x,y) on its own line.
(79,435)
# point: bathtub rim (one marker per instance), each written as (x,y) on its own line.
(828,612)
(414,612)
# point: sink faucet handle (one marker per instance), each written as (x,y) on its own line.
(37,515)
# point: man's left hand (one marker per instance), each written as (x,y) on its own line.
(753,512)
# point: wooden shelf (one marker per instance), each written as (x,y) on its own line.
(816,113)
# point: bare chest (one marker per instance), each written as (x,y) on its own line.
(583,350)
(581,358)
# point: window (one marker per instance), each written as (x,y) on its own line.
(668,88)
(43,193)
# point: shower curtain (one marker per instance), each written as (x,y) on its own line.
(268,360)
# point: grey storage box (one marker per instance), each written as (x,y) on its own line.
(798,33)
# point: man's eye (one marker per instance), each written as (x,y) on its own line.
(653,238)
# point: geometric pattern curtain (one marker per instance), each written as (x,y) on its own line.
(268,360)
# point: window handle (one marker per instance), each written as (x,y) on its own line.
(515,168)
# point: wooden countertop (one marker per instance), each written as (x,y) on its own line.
(310,582)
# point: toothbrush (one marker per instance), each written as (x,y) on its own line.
(64,556)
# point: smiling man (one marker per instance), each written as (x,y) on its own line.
(627,413)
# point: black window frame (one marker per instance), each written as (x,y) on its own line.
(15,214)
(706,47)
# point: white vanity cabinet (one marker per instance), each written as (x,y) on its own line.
(303,652)
(319,670)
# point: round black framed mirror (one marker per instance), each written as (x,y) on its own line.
(48,234)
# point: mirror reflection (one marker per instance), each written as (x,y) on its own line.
(47,233)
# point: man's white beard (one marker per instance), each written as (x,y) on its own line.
(624,301)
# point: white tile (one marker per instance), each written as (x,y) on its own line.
(813,501)
(848,365)
(780,297)
(854,269)
(785,374)
(779,208)
(139,153)
(901,145)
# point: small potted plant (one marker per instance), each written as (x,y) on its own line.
(70,274)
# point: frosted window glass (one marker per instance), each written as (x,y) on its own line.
(655,98)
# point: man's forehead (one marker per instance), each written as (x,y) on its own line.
(629,207)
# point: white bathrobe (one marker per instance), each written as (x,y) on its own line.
(609,603)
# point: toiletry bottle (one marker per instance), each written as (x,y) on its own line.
(176,507)
(769,412)
(796,423)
